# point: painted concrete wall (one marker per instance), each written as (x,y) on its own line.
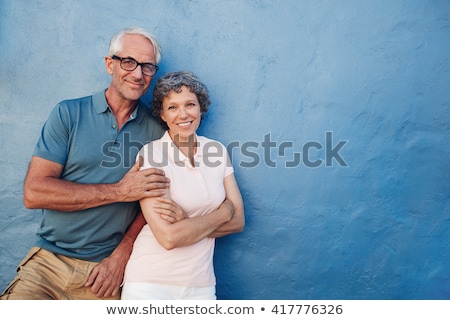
(337,114)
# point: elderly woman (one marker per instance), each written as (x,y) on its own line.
(174,260)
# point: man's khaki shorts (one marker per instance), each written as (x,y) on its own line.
(43,275)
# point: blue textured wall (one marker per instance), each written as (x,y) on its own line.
(372,223)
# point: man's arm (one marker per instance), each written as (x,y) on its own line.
(43,188)
(107,276)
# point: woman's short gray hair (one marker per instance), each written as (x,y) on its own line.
(174,81)
(115,45)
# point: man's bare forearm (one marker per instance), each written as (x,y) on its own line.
(44,189)
(126,245)
(56,194)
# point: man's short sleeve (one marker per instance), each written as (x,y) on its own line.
(53,142)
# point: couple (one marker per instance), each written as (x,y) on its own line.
(92,223)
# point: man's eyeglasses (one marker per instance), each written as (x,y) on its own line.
(129,64)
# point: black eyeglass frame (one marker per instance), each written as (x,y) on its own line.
(137,64)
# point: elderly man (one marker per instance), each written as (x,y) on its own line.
(84,177)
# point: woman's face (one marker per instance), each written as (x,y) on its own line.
(181,112)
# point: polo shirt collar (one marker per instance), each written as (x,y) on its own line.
(99,100)
(101,106)
(173,149)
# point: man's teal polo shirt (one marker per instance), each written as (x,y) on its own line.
(81,134)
